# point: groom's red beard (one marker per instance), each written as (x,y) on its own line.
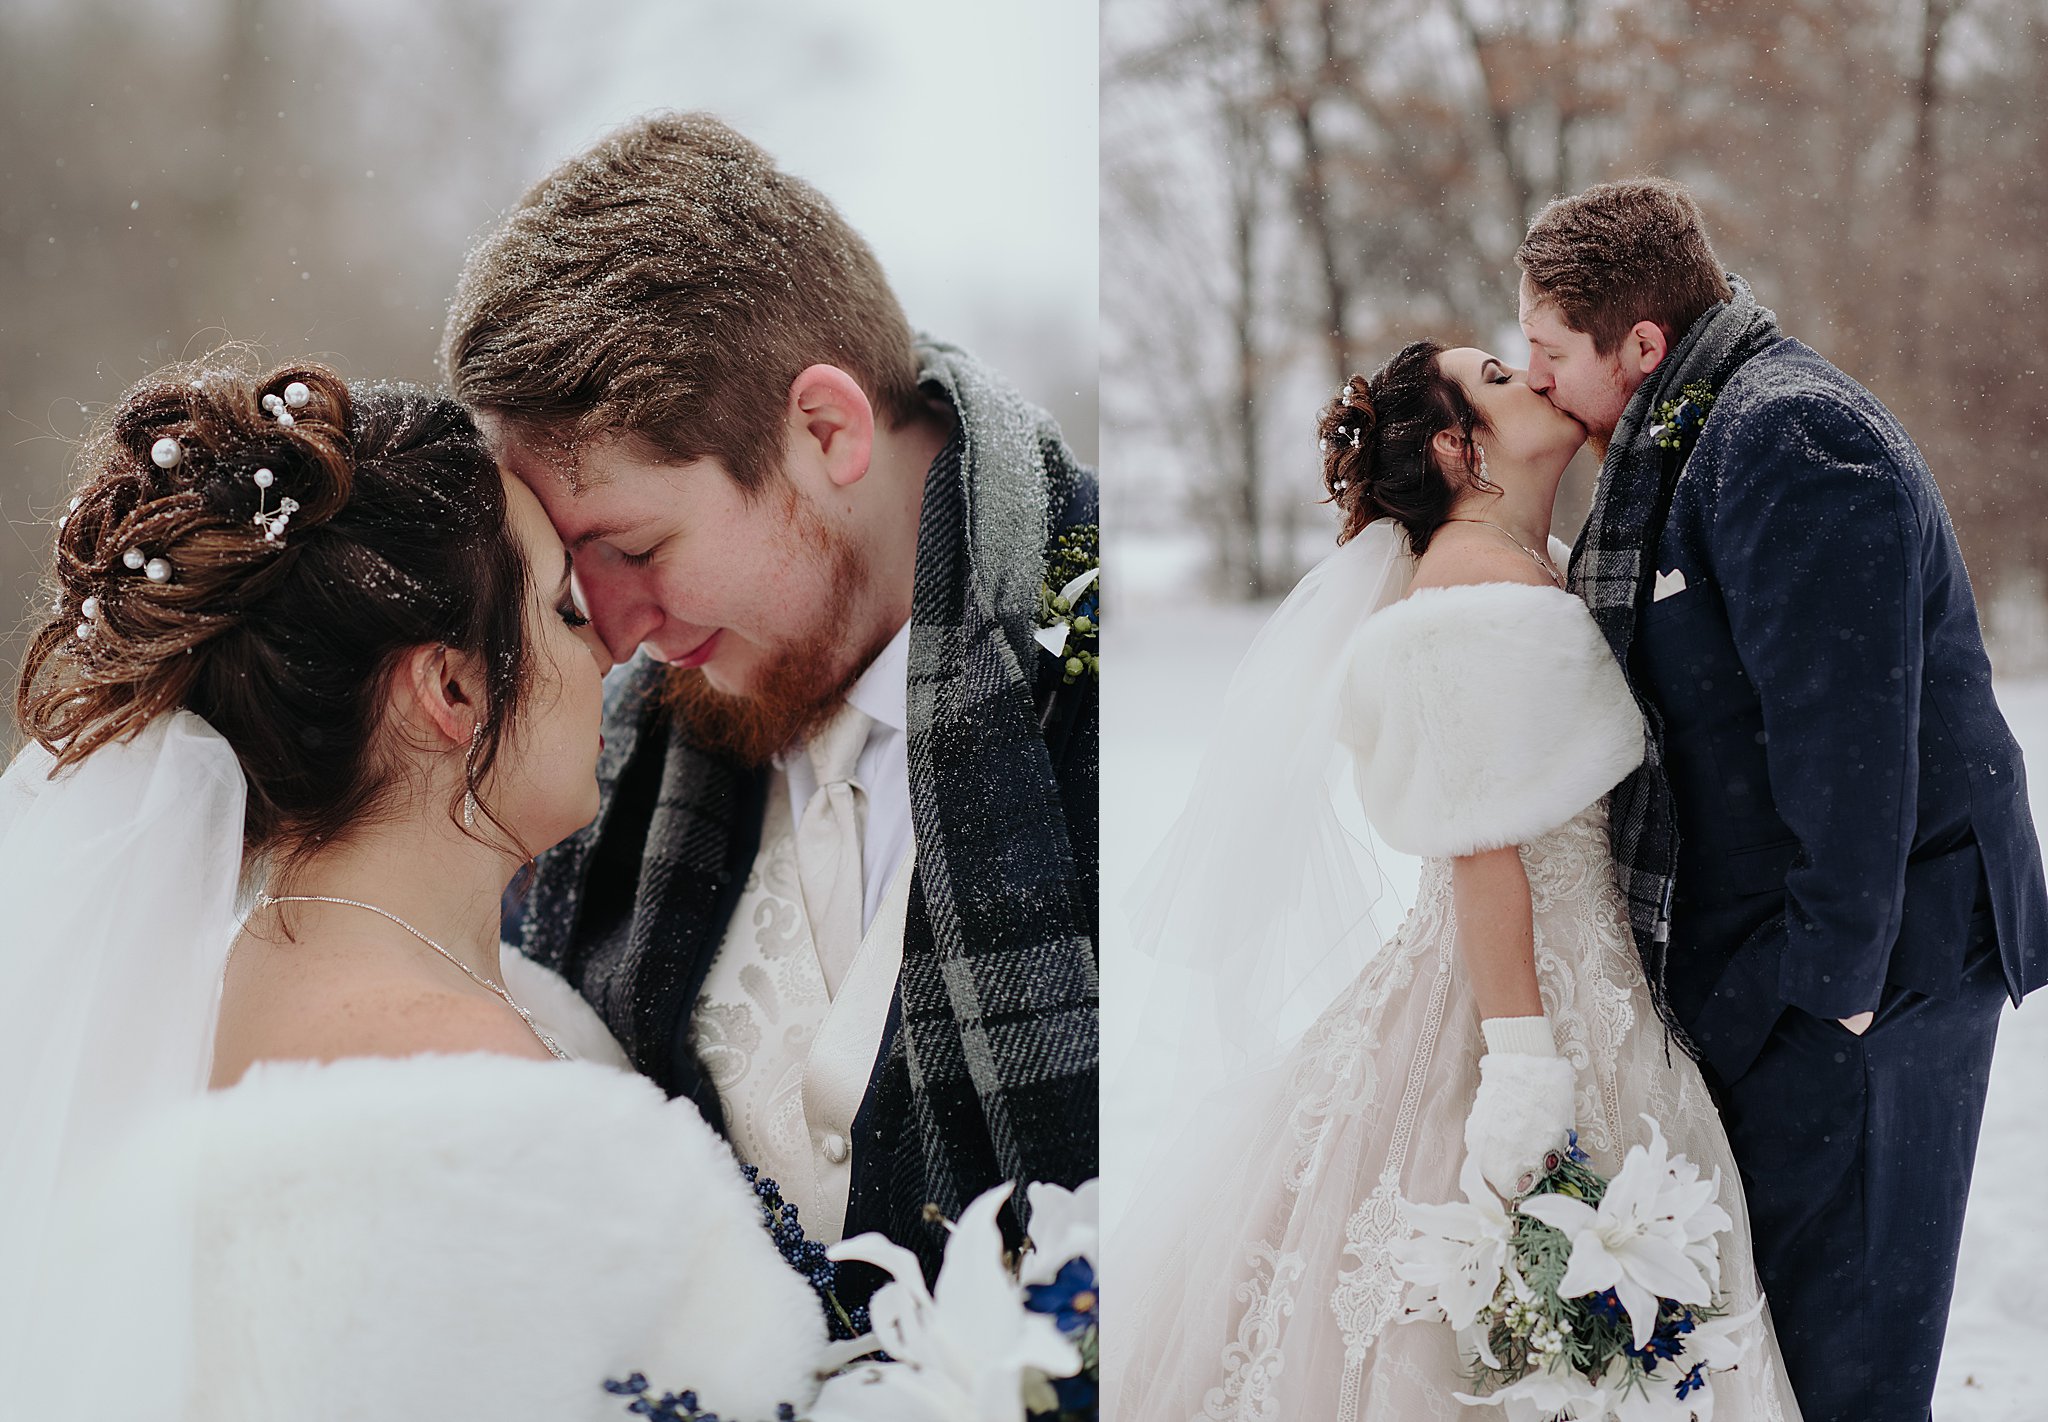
(800,684)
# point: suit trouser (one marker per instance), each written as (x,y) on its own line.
(1856,1155)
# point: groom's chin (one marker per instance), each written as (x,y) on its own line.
(752,727)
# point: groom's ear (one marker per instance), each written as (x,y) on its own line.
(832,423)
(1643,348)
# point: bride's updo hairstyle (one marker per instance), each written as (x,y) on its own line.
(276,605)
(1377,461)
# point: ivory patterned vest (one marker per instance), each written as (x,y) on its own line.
(792,1061)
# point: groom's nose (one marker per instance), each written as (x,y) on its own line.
(1540,378)
(621,612)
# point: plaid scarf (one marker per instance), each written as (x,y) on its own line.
(1611,569)
(989,1064)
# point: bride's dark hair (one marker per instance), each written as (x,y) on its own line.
(399,540)
(1377,461)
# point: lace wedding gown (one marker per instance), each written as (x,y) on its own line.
(1275,1297)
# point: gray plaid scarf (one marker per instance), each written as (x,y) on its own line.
(1611,570)
(989,1071)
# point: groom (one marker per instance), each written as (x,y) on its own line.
(841,892)
(1828,857)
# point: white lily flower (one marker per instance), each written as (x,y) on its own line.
(1065,1225)
(1053,638)
(1545,1396)
(1459,1253)
(962,1349)
(1693,1200)
(1635,1242)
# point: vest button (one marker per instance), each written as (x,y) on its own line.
(835,1147)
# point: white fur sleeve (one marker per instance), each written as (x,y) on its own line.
(472,1236)
(1483,715)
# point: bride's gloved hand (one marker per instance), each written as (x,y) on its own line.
(1524,1105)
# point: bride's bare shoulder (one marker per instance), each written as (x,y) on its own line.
(324,1008)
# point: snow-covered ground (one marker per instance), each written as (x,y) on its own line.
(1169,659)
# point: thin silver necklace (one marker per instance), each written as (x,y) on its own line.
(1541,562)
(265,900)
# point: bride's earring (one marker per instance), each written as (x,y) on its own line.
(468,775)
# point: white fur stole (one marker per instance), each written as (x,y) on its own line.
(449,1237)
(1483,715)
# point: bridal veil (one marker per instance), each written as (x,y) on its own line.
(118,880)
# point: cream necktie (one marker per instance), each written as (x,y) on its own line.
(828,843)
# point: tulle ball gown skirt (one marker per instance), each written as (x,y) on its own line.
(1263,1284)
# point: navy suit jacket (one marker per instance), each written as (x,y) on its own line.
(1848,794)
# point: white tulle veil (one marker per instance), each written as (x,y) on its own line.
(118,886)
(1258,908)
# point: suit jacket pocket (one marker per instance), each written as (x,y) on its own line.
(1686,654)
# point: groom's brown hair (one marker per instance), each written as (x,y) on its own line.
(1624,252)
(668,285)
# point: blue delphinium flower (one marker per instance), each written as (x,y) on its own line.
(1070,1298)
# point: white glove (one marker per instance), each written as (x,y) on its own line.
(1524,1105)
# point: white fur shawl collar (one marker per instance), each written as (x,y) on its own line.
(1483,715)
(450,1237)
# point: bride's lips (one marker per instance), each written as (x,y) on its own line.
(700,654)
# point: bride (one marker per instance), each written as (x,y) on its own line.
(1483,720)
(312,686)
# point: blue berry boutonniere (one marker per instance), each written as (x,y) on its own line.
(1070,602)
(1678,421)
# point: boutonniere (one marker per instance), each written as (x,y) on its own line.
(1070,602)
(1678,421)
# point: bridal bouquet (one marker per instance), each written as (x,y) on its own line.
(1584,1298)
(996,1339)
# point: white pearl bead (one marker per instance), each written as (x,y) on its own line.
(76,500)
(84,630)
(284,417)
(159,570)
(133,558)
(90,607)
(264,478)
(272,404)
(166,453)
(62,519)
(296,394)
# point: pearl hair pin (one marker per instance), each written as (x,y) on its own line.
(272,524)
(157,570)
(133,559)
(167,453)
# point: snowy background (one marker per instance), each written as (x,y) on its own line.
(1171,654)
(307,175)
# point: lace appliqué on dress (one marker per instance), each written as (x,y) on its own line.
(1253,1362)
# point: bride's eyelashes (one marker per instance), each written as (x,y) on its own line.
(572,616)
